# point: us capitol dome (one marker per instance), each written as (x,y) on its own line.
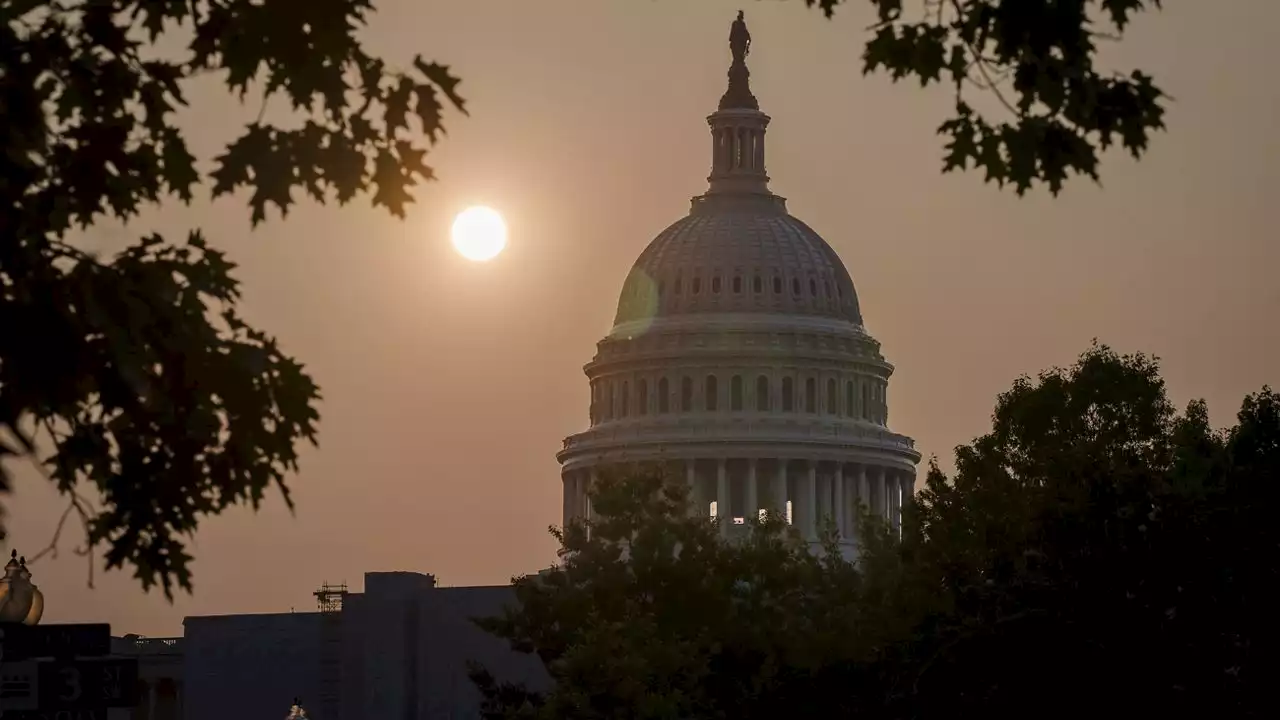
(739,351)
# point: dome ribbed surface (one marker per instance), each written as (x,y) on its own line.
(738,254)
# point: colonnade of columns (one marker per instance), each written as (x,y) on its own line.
(737,148)
(811,493)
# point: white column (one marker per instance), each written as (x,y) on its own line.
(566,515)
(722,497)
(864,489)
(691,479)
(780,488)
(588,510)
(811,502)
(753,504)
(895,500)
(838,479)
(883,484)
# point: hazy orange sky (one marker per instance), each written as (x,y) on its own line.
(449,385)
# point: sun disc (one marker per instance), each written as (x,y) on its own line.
(479,233)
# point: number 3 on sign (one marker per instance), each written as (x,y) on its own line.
(71,689)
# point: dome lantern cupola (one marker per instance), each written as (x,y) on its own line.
(738,126)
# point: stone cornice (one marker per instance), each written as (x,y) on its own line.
(772,433)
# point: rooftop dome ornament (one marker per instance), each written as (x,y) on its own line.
(20,600)
(739,93)
(296,712)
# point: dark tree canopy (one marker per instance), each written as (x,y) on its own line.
(1097,553)
(131,378)
(1039,60)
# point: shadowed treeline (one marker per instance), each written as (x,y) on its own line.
(1096,553)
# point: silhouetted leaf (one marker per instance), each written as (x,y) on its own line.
(1038,58)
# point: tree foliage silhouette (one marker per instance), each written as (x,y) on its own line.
(1096,552)
(1038,59)
(136,370)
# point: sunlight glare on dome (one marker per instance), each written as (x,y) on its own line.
(479,233)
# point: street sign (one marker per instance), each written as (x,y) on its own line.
(88,684)
(23,642)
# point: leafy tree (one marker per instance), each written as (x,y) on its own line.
(652,614)
(1038,58)
(1097,552)
(1096,538)
(132,378)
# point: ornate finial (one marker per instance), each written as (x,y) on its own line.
(739,93)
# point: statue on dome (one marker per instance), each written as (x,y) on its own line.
(739,39)
(738,95)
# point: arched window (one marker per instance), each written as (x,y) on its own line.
(810,395)
(642,397)
(625,398)
(735,393)
(788,394)
(762,393)
(832,407)
(686,394)
(865,401)
(848,398)
(757,285)
(664,396)
(712,391)
(737,283)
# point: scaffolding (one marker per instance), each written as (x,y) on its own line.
(329,597)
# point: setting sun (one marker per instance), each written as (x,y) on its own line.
(479,233)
